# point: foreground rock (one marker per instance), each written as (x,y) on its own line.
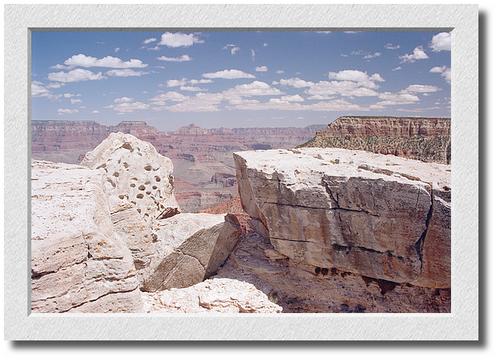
(191,247)
(298,287)
(78,262)
(213,295)
(426,139)
(383,217)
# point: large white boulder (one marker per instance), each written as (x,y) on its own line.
(78,262)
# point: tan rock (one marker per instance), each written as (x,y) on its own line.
(190,248)
(212,295)
(356,211)
(76,257)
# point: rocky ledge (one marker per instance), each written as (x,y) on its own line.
(425,139)
(379,216)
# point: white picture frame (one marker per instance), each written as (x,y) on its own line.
(463,321)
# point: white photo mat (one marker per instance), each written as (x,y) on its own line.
(460,324)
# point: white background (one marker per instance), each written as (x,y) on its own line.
(487,348)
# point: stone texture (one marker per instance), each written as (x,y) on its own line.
(190,248)
(360,212)
(298,287)
(426,139)
(78,262)
(135,173)
(212,295)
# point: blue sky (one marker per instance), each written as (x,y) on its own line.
(238,79)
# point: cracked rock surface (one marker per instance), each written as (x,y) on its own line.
(379,216)
(78,262)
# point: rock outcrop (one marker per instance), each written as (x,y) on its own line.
(78,261)
(191,247)
(213,295)
(378,216)
(425,139)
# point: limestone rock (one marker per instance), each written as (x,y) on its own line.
(360,212)
(190,248)
(298,287)
(135,173)
(212,295)
(78,262)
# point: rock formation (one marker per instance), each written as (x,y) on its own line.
(213,295)
(378,216)
(425,139)
(104,231)
(78,262)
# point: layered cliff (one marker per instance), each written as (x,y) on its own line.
(425,139)
(379,218)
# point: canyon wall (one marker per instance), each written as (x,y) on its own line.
(425,139)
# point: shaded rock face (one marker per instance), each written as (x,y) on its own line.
(78,262)
(378,216)
(212,295)
(299,287)
(191,248)
(425,139)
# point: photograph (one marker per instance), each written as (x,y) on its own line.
(259,171)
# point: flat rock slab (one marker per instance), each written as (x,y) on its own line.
(376,215)
(190,248)
(212,295)
(78,262)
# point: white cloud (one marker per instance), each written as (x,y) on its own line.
(444,71)
(372,55)
(294,82)
(127,105)
(200,81)
(360,77)
(399,98)
(70,95)
(170,96)
(292,98)
(422,88)
(390,46)
(38,89)
(441,42)
(181,58)
(95,112)
(85,61)
(417,54)
(397,68)
(75,101)
(256,88)
(191,88)
(67,111)
(279,71)
(175,40)
(228,74)
(234,50)
(253,55)
(185,82)
(116,50)
(352,32)
(123,99)
(265,44)
(201,102)
(323,32)
(262,68)
(149,40)
(125,73)
(75,76)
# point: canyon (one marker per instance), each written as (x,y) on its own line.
(204,171)
(307,229)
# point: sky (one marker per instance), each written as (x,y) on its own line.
(238,78)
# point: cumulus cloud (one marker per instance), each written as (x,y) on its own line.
(294,82)
(63,111)
(181,58)
(125,73)
(232,48)
(170,96)
(256,88)
(75,75)
(228,74)
(184,82)
(372,55)
(191,88)
(360,77)
(95,112)
(39,90)
(85,61)
(149,40)
(390,46)
(417,54)
(178,39)
(127,105)
(397,68)
(75,101)
(441,42)
(261,68)
(422,88)
(443,70)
